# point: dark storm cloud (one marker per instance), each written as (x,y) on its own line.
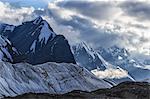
(98,10)
(88,33)
(139,10)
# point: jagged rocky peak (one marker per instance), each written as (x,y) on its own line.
(83,45)
(37,43)
(38,20)
(87,57)
(116,49)
(42,22)
(46,32)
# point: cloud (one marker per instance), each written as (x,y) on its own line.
(110,73)
(138,25)
(68,31)
(27,3)
(139,10)
(85,27)
(98,23)
(11,15)
(85,30)
(97,10)
(98,28)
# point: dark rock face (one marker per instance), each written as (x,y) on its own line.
(37,43)
(126,90)
(57,50)
(6,50)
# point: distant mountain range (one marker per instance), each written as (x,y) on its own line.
(113,60)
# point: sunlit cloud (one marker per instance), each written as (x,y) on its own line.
(110,73)
(15,16)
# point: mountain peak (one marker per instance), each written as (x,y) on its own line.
(116,49)
(38,43)
(37,20)
(84,45)
(46,32)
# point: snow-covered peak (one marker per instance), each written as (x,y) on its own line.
(119,51)
(35,39)
(88,49)
(91,56)
(37,20)
(84,45)
(45,32)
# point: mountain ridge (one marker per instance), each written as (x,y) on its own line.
(37,43)
(53,78)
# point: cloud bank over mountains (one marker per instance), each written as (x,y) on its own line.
(99,23)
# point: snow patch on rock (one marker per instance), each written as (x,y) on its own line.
(4,42)
(45,33)
(33,46)
(37,20)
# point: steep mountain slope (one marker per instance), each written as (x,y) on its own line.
(52,78)
(37,43)
(87,57)
(94,62)
(6,50)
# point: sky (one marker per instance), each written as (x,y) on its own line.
(99,23)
